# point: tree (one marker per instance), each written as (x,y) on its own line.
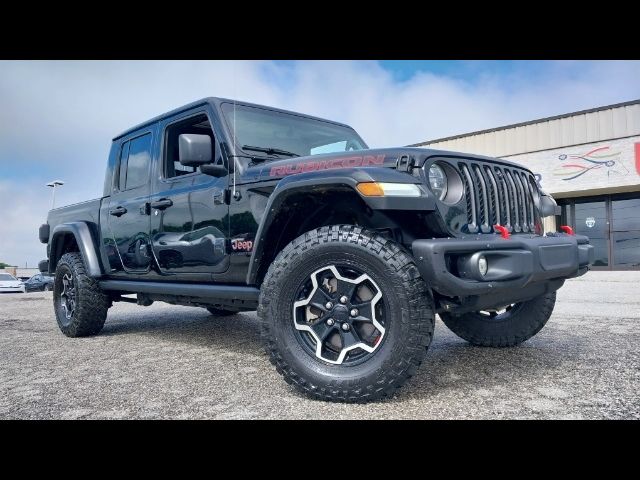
(4,265)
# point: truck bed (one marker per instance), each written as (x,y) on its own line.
(88,211)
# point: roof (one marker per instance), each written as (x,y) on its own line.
(530,122)
(216,101)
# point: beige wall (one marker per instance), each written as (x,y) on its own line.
(603,167)
(582,128)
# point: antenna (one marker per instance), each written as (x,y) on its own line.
(234,145)
(234,128)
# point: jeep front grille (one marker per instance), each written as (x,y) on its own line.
(499,195)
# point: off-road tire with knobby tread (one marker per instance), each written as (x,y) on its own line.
(409,324)
(484,331)
(91,302)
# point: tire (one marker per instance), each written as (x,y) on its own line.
(511,328)
(86,302)
(220,312)
(406,309)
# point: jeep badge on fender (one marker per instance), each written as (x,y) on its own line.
(346,252)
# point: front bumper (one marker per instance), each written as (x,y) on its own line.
(513,263)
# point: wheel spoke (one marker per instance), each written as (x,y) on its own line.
(319,298)
(345,289)
(349,338)
(365,312)
(322,330)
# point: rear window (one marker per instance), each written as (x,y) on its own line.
(135,158)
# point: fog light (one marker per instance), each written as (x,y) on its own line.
(482,266)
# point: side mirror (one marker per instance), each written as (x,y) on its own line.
(194,150)
(214,170)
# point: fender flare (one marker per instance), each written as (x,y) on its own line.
(344,177)
(82,234)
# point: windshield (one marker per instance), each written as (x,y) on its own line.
(265,132)
(5,277)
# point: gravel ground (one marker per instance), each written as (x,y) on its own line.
(177,362)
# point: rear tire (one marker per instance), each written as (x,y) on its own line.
(520,323)
(337,355)
(80,305)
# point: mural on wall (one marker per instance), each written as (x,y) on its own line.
(585,167)
(602,158)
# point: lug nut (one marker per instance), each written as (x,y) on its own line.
(330,321)
(343,299)
(329,305)
(354,312)
(345,326)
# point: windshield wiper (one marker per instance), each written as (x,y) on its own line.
(270,150)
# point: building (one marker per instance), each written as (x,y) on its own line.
(589,161)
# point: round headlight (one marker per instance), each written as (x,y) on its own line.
(438,181)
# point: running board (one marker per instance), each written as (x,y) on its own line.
(200,290)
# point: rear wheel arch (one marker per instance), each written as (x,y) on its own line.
(74,237)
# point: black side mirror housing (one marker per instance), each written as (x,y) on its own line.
(194,150)
(214,170)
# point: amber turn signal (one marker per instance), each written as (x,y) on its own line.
(370,189)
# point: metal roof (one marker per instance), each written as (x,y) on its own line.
(530,122)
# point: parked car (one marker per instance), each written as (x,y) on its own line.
(347,253)
(9,283)
(39,283)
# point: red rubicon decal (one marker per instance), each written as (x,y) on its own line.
(637,145)
(312,166)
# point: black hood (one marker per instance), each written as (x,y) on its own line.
(370,158)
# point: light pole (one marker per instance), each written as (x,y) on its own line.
(53,185)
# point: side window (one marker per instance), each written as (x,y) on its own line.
(198,124)
(134,162)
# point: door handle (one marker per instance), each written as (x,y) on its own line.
(118,211)
(161,204)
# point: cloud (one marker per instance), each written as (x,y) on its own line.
(57,118)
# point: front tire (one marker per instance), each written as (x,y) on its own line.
(345,314)
(504,328)
(80,305)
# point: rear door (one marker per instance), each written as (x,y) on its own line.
(128,205)
(189,210)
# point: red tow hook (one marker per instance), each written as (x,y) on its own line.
(566,229)
(504,233)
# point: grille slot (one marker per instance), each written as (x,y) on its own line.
(470,193)
(498,195)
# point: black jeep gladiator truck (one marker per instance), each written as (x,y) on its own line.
(346,252)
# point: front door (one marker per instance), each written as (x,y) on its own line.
(189,210)
(128,216)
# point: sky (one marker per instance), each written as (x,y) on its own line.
(57,118)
